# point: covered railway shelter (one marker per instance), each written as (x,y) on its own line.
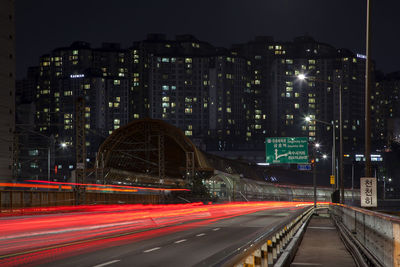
(150,152)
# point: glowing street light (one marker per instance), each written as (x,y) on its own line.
(301,77)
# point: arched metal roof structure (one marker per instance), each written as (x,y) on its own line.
(149,149)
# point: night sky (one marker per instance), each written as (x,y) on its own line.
(43,25)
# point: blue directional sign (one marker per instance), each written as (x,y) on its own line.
(304,167)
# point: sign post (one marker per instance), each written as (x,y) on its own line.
(282,150)
(368,192)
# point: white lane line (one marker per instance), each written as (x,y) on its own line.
(305,264)
(322,228)
(201,234)
(106,263)
(152,249)
(216,229)
(180,241)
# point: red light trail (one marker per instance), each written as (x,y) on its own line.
(107,186)
(32,238)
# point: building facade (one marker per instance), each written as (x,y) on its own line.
(223,99)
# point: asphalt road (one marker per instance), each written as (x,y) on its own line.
(137,235)
(201,246)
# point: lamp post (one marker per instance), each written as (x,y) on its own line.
(308,119)
(62,146)
(316,146)
(341,183)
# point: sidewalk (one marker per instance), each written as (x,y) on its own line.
(321,244)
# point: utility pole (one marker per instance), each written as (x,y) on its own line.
(368,94)
(341,145)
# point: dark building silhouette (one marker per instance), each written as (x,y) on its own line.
(226,100)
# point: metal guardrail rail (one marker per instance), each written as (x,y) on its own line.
(267,248)
(376,235)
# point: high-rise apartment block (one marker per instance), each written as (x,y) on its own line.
(98,75)
(224,99)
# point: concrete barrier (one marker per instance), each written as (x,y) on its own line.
(377,233)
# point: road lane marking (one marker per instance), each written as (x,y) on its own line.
(152,249)
(180,241)
(201,234)
(216,229)
(106,263)
(322,227)
(305,264)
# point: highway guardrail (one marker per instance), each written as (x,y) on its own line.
(376,235)
(274,246)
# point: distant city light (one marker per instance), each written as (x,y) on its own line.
(374,157)
(74,76)
(361,56)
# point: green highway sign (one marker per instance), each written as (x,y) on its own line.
(281,150)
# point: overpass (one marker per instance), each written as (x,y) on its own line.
(248,233)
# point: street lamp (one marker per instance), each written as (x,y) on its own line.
(314,165)
(309,119)
(341,186)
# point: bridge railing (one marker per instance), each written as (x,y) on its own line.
(377,233)
(273,247)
